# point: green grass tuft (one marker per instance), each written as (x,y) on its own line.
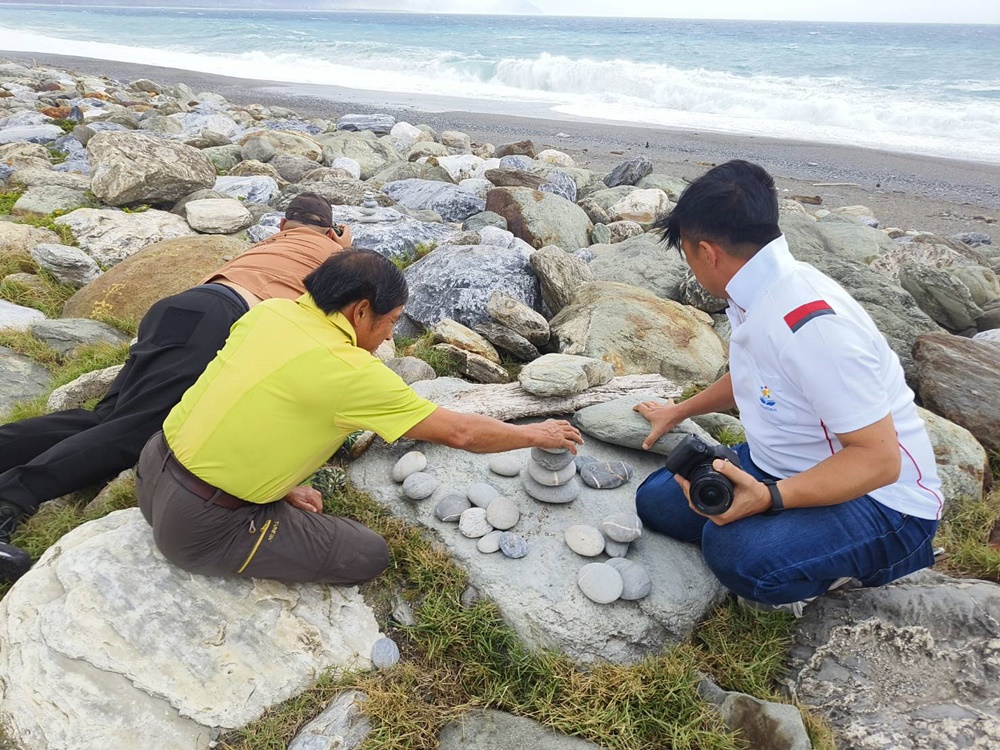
(423,348)
(964,532)
(7,200)
(420,250)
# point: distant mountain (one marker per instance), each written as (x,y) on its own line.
(502,7)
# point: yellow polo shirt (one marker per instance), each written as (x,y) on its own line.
(279,399)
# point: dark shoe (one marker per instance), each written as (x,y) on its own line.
(14,562)
(10,516)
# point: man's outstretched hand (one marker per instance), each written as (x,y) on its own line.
(662,416)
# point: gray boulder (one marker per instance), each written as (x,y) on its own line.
(909,665)
(489,730)
(484,219)
(341,726)
(387,231)
(637,332)
(105,583)
(223,158)
(66,334)
(256,189)
(76,393)
(642,261)
(405,170)
(776,726)
(694,294)
(809,240)
(371,155)
(541,219)
(939,294)
(411,369)
(30,134)
(538,594)
(217,215)
(44,200)
(672,186)
(959,379)
(560,275)
(617,423)
(450,201)
(519,317)
(257,148)
(69,265)
(18,317)
(292,168)
(510,341)
(340,192)
(377,124)
(35,177)
(132,167)
(21,378)
(961,460)
(629,172)
(563,374)
(456,281)
(110,236)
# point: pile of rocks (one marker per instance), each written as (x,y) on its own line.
(550,476)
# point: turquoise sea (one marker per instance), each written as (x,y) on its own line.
(931,89)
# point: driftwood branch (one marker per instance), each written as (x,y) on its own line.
(509,401)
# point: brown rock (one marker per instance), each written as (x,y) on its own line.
(58,113)
(514,178)
(959,379)
(131,287)
(521,148)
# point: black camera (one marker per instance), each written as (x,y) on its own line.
(711,492)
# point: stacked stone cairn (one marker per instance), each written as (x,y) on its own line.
(550,476)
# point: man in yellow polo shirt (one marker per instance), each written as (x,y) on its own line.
(293,381)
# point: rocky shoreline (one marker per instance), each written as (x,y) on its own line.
(535,276)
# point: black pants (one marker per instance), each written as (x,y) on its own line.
(48,456)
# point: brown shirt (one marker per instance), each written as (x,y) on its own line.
(276,266)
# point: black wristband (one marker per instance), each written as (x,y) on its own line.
(777,504)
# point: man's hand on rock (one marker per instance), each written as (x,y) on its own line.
(662,416)
(750,496)
(305,498)
(558,433)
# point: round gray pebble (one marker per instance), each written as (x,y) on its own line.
(584,540)
(605,476)
(490,543)
(481,494)
(385,653)
(566,493)
(551,459)
(473,523)
(419,486)
(503,513)
(636,583)
(615,549)
(451,507)
(622,527)
(600,582)
(410,463)
(506,464)
(551,478)
(513,545)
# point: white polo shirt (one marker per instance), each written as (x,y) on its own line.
(807,363)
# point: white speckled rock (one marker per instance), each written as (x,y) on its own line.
(600,582)
(636,583)
(451,507)
(490,543)
(551,478)
(419,486)
(473,523)
(481,494)
(615,549)
(503,513)
(513,545)
(506,464)
(550,459)
(385,653)
(622,527)
(411,463)
(584,540)
(566,493)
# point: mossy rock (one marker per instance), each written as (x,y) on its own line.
(130,288)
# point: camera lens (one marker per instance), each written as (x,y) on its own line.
(711,493)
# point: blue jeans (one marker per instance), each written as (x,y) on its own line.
(795,554)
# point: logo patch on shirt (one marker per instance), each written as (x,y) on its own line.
(767,399)
(803,314)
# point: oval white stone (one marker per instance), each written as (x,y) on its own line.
(473,523)
(419,486)
(490,543)
(584,540)
(410,463)
(600,582)
(503,513)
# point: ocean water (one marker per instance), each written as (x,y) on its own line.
(927,89)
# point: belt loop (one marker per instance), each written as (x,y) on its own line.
(215,496)
(166,457)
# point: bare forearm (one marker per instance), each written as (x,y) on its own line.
(483,434)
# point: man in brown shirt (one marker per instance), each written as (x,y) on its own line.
(48,456)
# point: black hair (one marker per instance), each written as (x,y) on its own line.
(353,275)
(734,204)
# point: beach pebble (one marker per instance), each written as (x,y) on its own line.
(622,527)
(419,486)
(469,598)
(551,478)
(490,543)
(636,583)
(600,582)
(553,460)
(566,493)
(385,653)
(615,549)
(411,463)
(503,513)
(451,507)
(506,464)
(482,494)
(605,476)
(513,545)
(584,540)
(473,523)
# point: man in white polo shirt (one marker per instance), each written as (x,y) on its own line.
(838,478)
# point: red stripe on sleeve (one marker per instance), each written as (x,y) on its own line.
(795,316)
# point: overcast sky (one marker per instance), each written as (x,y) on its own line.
(894,11)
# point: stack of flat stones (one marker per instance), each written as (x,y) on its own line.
(550,476)
(617,578)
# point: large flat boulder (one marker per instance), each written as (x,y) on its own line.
(105,644)
(541,218)
(110,236)
(642,261)
(129,289)
(450,201)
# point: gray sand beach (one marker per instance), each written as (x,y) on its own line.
(905,190)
